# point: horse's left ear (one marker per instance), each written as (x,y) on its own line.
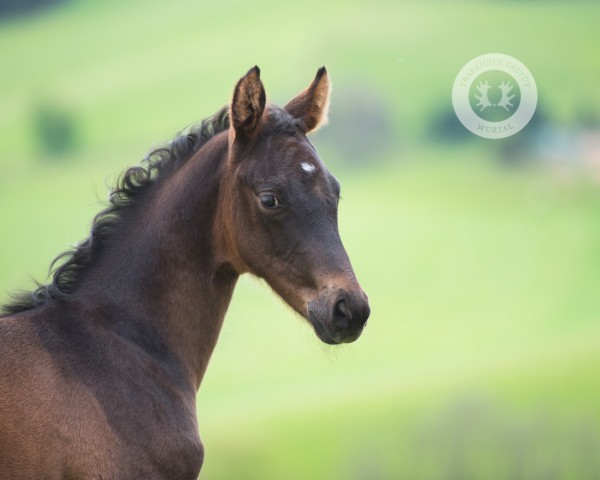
(312,105)
(248,104)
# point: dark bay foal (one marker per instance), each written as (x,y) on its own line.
(99,369)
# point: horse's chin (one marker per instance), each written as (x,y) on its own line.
(321,331)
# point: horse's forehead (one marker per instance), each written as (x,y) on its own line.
(295,153)
(285,154)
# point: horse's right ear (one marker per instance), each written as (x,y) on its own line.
(248,104)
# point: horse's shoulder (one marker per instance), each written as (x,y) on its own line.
(89,390)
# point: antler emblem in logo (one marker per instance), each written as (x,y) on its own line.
(484,100)
(505,101)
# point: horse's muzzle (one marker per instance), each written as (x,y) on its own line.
(340,316)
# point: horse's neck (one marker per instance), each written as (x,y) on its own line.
(161,271)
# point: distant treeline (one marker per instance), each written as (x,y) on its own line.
(10,7)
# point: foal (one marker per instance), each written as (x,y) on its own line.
(99,369)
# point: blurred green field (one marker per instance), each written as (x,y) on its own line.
(482,356)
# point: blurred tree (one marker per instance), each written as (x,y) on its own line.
(11,7)
(446,127)
(54,129)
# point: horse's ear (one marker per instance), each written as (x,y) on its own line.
(312,105)
(248,103)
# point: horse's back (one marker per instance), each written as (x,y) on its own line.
(77,403)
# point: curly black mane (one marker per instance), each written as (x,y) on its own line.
(67,267)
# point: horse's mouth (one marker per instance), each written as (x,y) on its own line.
(321,331)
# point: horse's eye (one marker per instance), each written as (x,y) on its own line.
(270,201)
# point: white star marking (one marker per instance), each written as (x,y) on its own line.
(308,167)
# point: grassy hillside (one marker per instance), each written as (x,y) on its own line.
(481,357)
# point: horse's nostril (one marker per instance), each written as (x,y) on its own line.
(342,314)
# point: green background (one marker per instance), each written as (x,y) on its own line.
(481,257)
